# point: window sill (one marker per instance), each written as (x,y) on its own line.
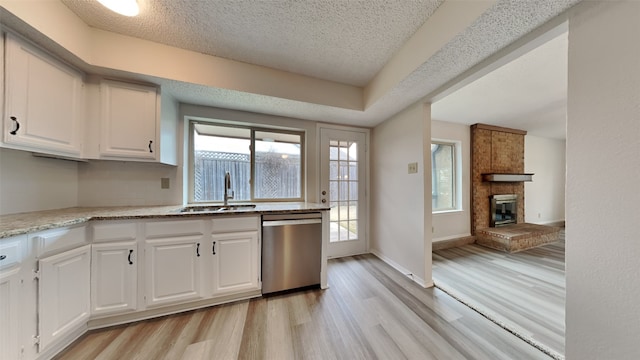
(444,212)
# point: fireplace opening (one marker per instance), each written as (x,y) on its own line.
(504,210)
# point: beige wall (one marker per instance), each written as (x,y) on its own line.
(399,211)
(603,168)
(120,183)
(29,183)
(545,194)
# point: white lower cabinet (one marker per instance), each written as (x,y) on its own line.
(235,262)
(64,288)
(236,256)
(12,339)
(174,253)
(114,274)
(53,282)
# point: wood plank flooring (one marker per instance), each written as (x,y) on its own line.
(524,291)
(370,311)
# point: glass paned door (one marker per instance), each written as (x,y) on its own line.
(343,168)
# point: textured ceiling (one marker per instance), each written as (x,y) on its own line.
(346,41)
(529,92)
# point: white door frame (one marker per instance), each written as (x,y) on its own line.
(365,182)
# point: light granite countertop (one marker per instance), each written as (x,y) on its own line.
(28,222)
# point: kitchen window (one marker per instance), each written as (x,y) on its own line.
(443,176)
(273,172)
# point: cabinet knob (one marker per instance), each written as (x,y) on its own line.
(150,143)
(324,192)
(15,131)
(324,201)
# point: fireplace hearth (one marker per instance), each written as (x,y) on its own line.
(504,210)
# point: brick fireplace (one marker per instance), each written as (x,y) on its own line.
(494,150)
(497,173)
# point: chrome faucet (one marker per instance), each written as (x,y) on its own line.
(227,188)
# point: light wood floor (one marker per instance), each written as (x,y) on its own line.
(370,311)
(525,291)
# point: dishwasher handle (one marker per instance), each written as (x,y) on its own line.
(291,222)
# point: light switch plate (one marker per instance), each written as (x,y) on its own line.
(413,168)
(164,183)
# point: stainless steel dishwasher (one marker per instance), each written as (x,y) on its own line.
(291,251)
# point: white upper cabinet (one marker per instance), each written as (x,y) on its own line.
(129,118)
(44,102)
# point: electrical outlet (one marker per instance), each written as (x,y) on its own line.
(164,183)
(413,168)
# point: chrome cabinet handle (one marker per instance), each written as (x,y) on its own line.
(150,149)
(129,258)
(15,131)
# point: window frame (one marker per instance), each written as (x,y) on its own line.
(252,156)
(456,174)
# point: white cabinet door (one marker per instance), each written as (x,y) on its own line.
(129,121)
(235,262)
(9,315)
(173,270)
(43,101)
(11,310)
(63,299)
(114,274)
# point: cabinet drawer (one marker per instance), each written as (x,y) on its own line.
(103,232)
(234,224)
(54,241)
(10,253)
(163,229)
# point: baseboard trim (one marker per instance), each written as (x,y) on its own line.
(418,280)
(451,243)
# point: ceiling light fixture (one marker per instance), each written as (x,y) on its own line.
(122,7)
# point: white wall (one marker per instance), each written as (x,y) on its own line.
(399,212)
(603,186)
(455,224)
(29,183)
(119,183)
(544,196)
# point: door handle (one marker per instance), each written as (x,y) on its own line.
(15,131)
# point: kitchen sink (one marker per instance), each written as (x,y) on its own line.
(216,208)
